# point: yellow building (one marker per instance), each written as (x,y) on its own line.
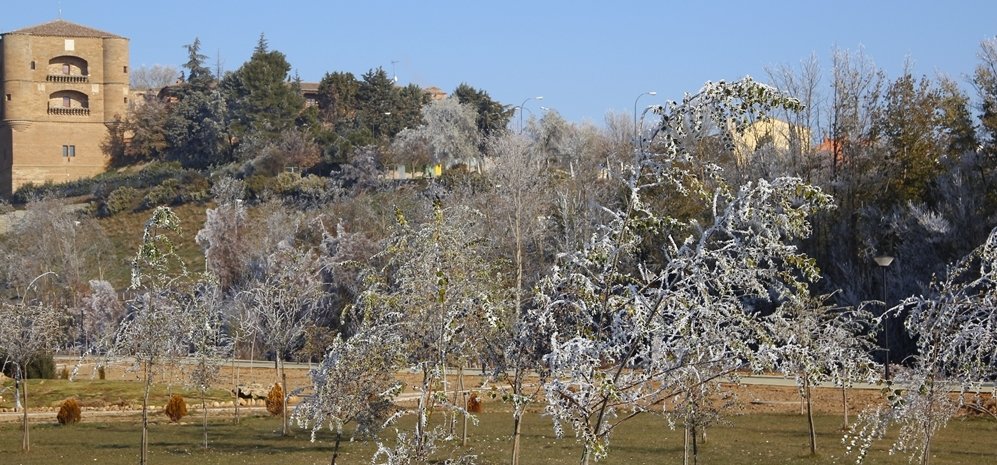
(779,135)
(63,85)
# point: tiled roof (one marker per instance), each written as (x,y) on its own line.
(60,28)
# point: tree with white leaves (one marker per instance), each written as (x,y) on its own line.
(448,135)
(280,302)
(955,327)
(821,343)
(626,333)
(209,344)
(29,330)
(155,329)
(355,382)
(437,278)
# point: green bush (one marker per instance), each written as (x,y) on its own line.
(121,199)
(38,368)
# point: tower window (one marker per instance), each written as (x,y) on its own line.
(126,69)
(68,151)
(8,97)
(32,65)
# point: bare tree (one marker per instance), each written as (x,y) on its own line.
(153,77)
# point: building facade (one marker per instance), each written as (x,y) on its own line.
(63,86)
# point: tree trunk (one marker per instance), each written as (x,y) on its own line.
(810,416)
(144,453)
(335,450)
(287,393)
(25,440)
(695,445)
(517,432)
(204,410)
(926,455)
(844,403)
(235,366)
(463,393)
(685,443)
(420,422)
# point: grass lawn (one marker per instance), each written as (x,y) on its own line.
(750,439)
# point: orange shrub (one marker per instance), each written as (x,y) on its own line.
(176,408)
(474,403)
(69,412)
(275,400)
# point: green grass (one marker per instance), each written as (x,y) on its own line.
(101,393)
(754,439)
(124,231)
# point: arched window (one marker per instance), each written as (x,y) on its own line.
(68,103)
(69,69)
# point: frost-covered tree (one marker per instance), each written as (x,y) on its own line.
(28,330)
(955,326)
(821,343)
(280,302)
(625,332)
(155,330)
(224,235)
(355,382)
(449,135)
(209,345)
(437,278)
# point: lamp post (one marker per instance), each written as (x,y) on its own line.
(636,130)
(520,107)
(884,262)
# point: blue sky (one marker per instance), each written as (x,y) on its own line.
(584,57)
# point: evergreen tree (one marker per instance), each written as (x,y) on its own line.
(492,115)
(259,94)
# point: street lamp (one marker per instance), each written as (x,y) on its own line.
(884,262)
(520,107)
(650,92)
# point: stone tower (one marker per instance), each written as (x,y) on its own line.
(63,85)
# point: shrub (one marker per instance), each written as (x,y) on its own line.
(42,367)
(101,373)
(166,193)
(474,403)
(176,408)
(275,400)
(64,373)
(69,412)
(119,200)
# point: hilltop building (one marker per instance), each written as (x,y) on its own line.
(63,85)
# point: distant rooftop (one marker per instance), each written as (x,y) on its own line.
(60,28)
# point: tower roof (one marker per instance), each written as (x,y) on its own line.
(61,28)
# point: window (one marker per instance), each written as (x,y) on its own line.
(126,99)
(32,65)
(126,69)
(68,151)
(67,102)
(65,68)
(8,97)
